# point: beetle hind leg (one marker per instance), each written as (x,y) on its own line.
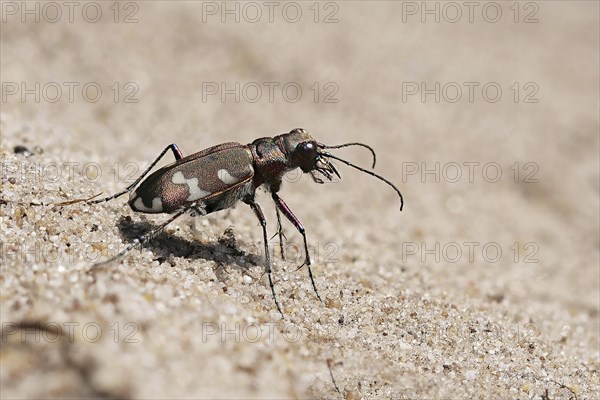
(145,238)
(176,153)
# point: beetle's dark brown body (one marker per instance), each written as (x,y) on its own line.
(216,178)
(211,176)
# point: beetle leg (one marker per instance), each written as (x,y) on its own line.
(199,210)
(176,152)
(145,238)
(280,233)
(296,222)
(263,222)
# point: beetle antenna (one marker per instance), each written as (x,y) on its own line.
(368,172)
(338,146)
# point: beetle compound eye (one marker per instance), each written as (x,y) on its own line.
(305,156)
(306,147)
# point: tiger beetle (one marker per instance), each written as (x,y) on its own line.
(216,178)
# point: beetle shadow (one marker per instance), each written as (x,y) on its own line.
(223,251)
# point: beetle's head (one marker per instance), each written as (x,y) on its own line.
(304,152)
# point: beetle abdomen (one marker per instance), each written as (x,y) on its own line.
(200,176)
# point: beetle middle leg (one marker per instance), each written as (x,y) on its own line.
(263,222)
(296,222)
(176,152)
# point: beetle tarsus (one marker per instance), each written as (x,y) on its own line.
(74,201)
(329,366)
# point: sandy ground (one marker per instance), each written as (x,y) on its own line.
(485,286)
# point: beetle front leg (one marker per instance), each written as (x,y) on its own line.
(176,152)
(296,222)
(263,222)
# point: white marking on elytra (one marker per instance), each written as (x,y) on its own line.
(195,191)
(156,205)
(226,177)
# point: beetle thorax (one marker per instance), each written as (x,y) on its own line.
(270,163)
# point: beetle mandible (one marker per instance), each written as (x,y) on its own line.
(216,178)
